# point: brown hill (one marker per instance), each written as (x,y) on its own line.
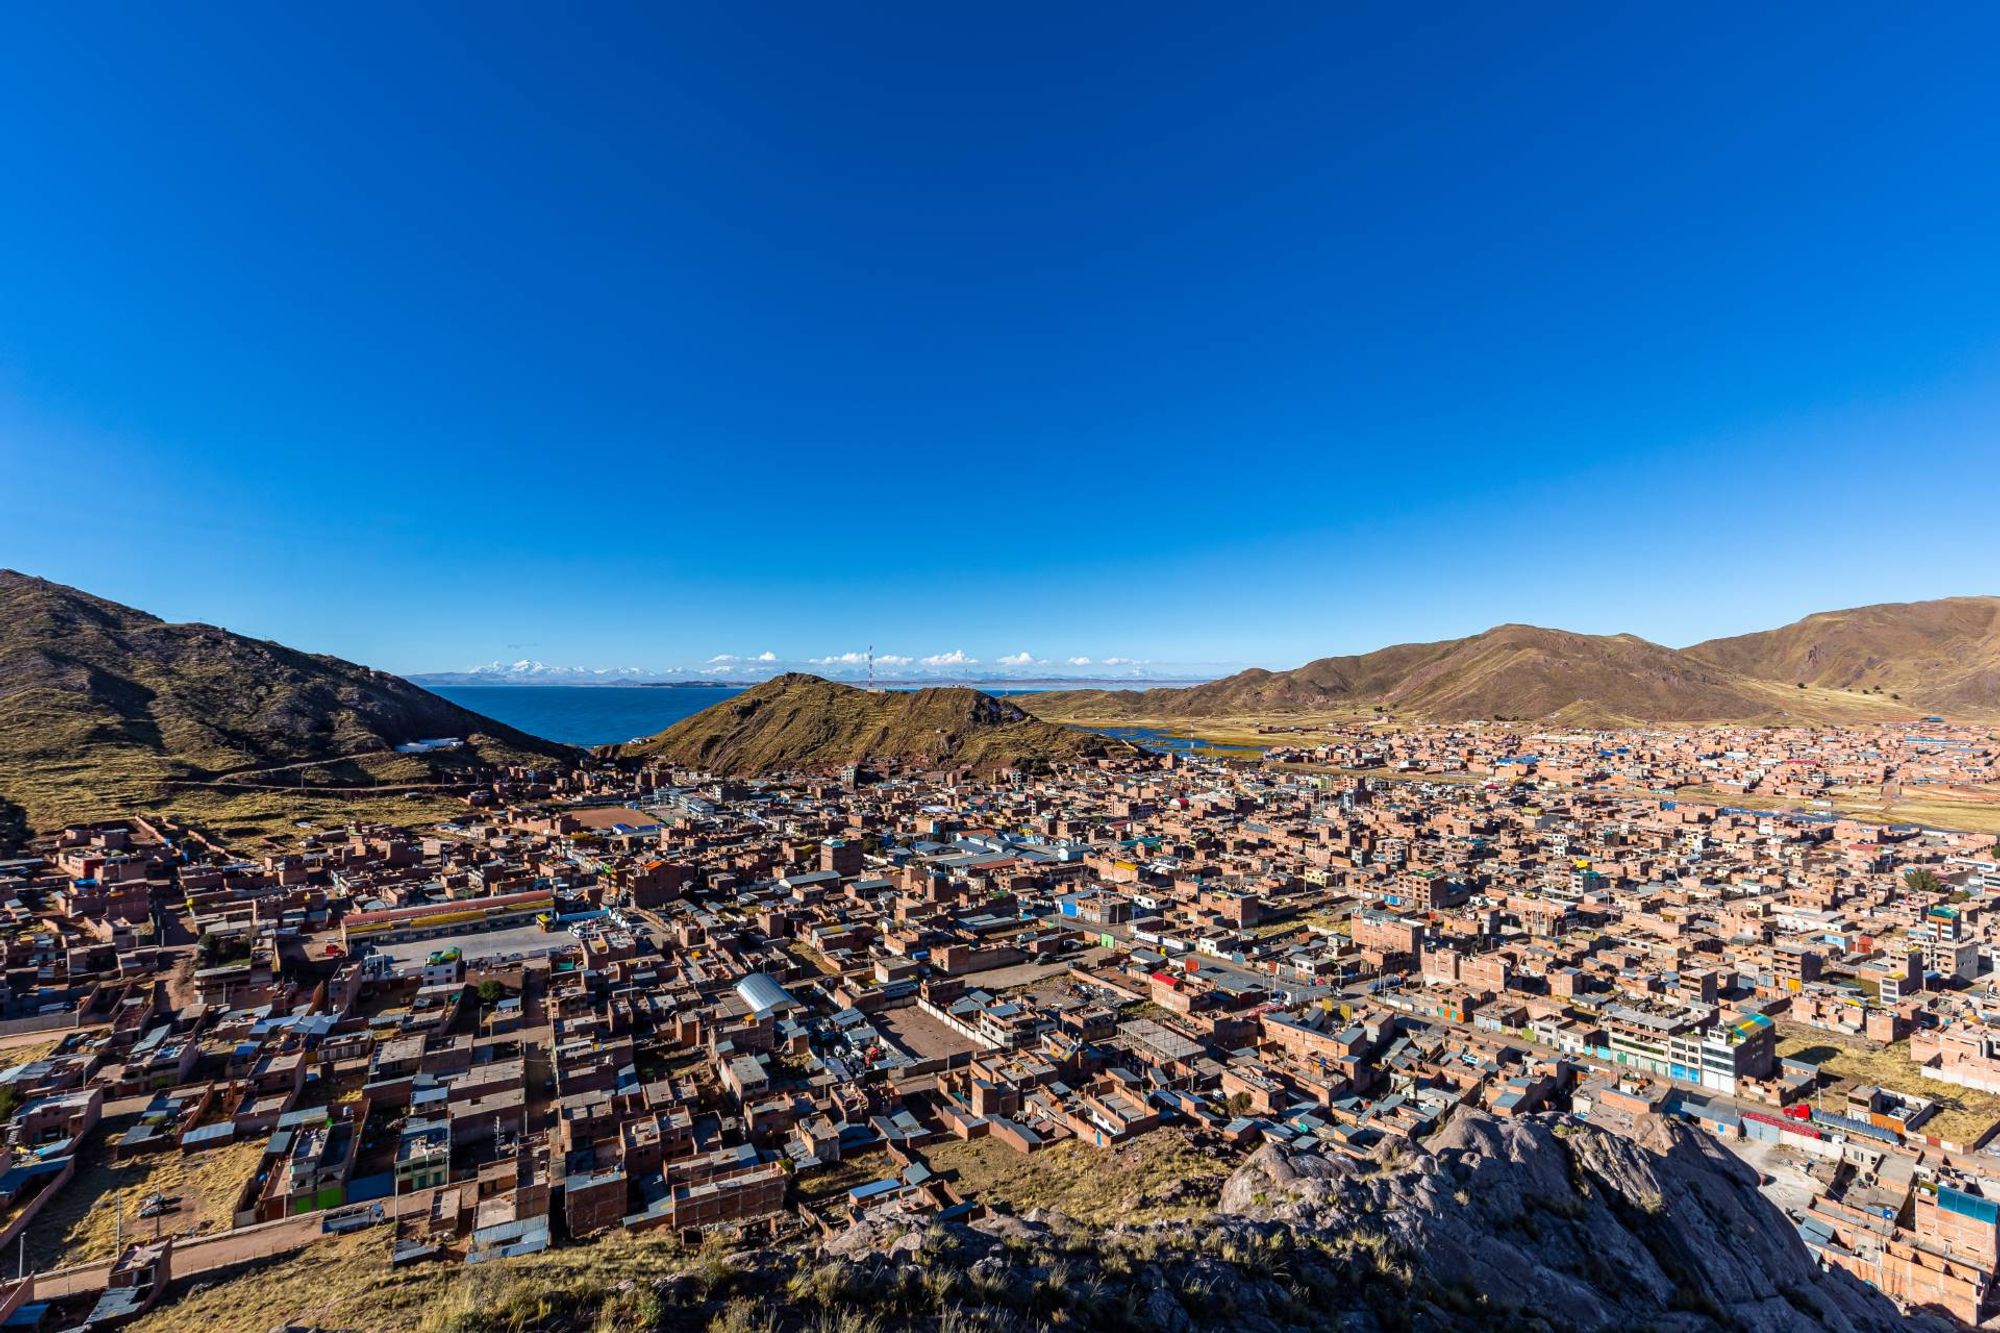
(1520,671)
(1513,671)
(103,707)
(1942,654)
(801,723)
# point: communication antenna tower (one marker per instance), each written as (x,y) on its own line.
(871,668)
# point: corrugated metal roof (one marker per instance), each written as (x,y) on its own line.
(762,992)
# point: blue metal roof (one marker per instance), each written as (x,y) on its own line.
(1968,1205)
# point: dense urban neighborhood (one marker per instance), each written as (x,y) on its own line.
(965,669)
(626,998)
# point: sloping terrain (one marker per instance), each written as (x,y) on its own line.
(1838,666)
(103,707)
(801,723)
(1531,1225)
(1542,1223)
(1943,654)
(1520,671)
(1510,671)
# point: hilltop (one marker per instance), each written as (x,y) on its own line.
(1845,665)
(105,709)
(799,723)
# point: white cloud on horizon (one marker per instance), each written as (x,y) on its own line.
(845,665)
(861,659)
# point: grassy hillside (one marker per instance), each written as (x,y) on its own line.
(1521,671)
(1528,673)
(105,709)
(1942,655)
(801,723)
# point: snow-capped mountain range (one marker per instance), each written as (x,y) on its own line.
(941,669)
(527,672)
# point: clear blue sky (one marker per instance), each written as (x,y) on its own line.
(1212,334)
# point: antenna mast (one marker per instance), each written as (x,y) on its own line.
(871,668)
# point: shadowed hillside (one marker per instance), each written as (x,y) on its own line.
(103,707)
(798,722)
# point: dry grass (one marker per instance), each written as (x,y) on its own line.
(253,820)
(811,957)
(81,1222)
(1976,811)
(1969,814)
(343,1282)
(28,1050)
(1964,1113)
(106,782)
(1781,704)
(1161,1176)
(1312,727)
(819,1183)
(1339,920)
(346,1282)
(1822,705)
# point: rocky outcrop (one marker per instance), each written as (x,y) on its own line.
(1572,1227)
(1533,1224)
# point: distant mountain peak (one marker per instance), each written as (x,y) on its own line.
(529,668)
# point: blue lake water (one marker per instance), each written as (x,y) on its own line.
(584,715)
(1154,738)
(591,715)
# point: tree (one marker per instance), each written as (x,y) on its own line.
(491,991)
(1922,880)
(213,950)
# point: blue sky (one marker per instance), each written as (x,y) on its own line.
(1204,335)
